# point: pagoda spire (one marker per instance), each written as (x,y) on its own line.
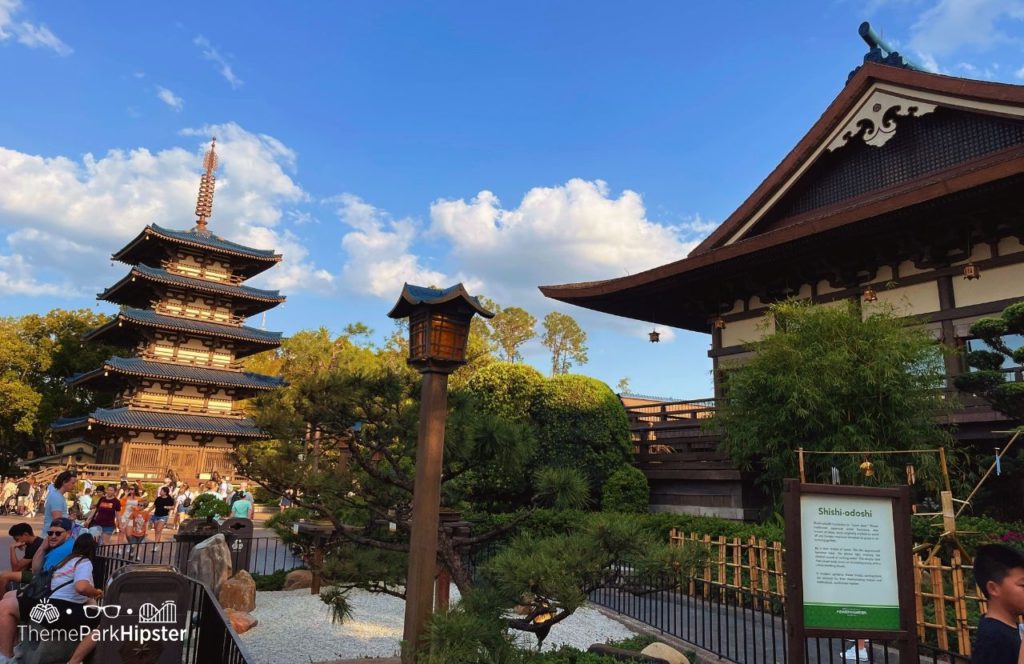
(204,204)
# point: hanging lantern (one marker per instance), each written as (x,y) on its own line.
(867,468)
(971,271)
(654,336)
(911,474)
(870,295)
(719,323)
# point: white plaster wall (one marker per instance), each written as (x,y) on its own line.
(999,283)
(908,300)
(737,333)
(1010,245)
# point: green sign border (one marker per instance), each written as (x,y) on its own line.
(852,616)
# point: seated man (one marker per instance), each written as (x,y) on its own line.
(71,587)
(28,543)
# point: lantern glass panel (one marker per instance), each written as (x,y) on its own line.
(448,337)
(419,334)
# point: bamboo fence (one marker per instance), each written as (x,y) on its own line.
(948,604)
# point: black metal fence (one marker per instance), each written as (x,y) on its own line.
(738,625)
(256,555)
(209,635)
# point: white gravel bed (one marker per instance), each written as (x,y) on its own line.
(295,628)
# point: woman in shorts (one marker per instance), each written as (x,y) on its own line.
(105,514)
(161,511)
(182,502)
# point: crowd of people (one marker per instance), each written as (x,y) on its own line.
(76,518)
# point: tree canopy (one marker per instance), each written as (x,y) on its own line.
(833,379)
(566,340)
(512,327)
(37,354)
(987,379)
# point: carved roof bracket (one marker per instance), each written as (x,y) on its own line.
(876,120)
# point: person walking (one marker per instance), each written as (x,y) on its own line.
(106,513)
(161,512)
(55,505)
(182,502)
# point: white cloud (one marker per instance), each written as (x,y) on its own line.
(578,231)
(378,248)
(169,98)
(16,278)
(1019,73)
(83,209)
(214,56)
(25,33)
(951,25)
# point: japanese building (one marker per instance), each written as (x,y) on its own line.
(180,387)
(906,191)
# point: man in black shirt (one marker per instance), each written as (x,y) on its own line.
(999,572)
(26,541)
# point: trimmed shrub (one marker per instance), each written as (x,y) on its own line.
(626,491)
(581,424)
(507,389)
(207,504)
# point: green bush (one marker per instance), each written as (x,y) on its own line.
(626,491)
(507,389)
(272,581)
(581,424)
(206,505)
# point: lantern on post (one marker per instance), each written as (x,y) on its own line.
(438,331)
(870,295)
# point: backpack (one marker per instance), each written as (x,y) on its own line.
(237,495)
(187,502)
(39,587)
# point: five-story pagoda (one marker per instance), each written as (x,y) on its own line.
(178,391)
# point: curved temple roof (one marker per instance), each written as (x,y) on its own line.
(150,420)
(149,318)
(248,261)
(135,366)
(142,277)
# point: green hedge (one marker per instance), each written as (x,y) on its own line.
(975,530)
(626,490)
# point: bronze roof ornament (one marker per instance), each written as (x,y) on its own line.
(204,204)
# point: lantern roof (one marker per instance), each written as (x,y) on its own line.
(414,296)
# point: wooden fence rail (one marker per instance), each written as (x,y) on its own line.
(948,604)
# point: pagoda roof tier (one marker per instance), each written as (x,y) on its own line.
(179,373)
(150,420)
(136,289)
(149,246)
(116,332)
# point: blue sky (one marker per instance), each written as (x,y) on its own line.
(507,145)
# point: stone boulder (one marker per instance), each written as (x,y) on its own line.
(241,621)
(210,562)
(665,652)
(238,592)
(298,578)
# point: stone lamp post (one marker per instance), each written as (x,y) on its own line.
(438,329)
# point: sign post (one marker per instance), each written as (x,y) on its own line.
(849,566)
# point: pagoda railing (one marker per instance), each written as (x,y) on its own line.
(205,315)
(191,409)
(149,354)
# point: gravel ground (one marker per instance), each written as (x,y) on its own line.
(295,628)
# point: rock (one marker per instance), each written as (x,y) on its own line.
(210,562)
(298,578)
(238,592)
(241,621)
(665,652)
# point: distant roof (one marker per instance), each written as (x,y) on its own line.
(148,318)
(151,420)
(134,366)
(415,295)
(646,397)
